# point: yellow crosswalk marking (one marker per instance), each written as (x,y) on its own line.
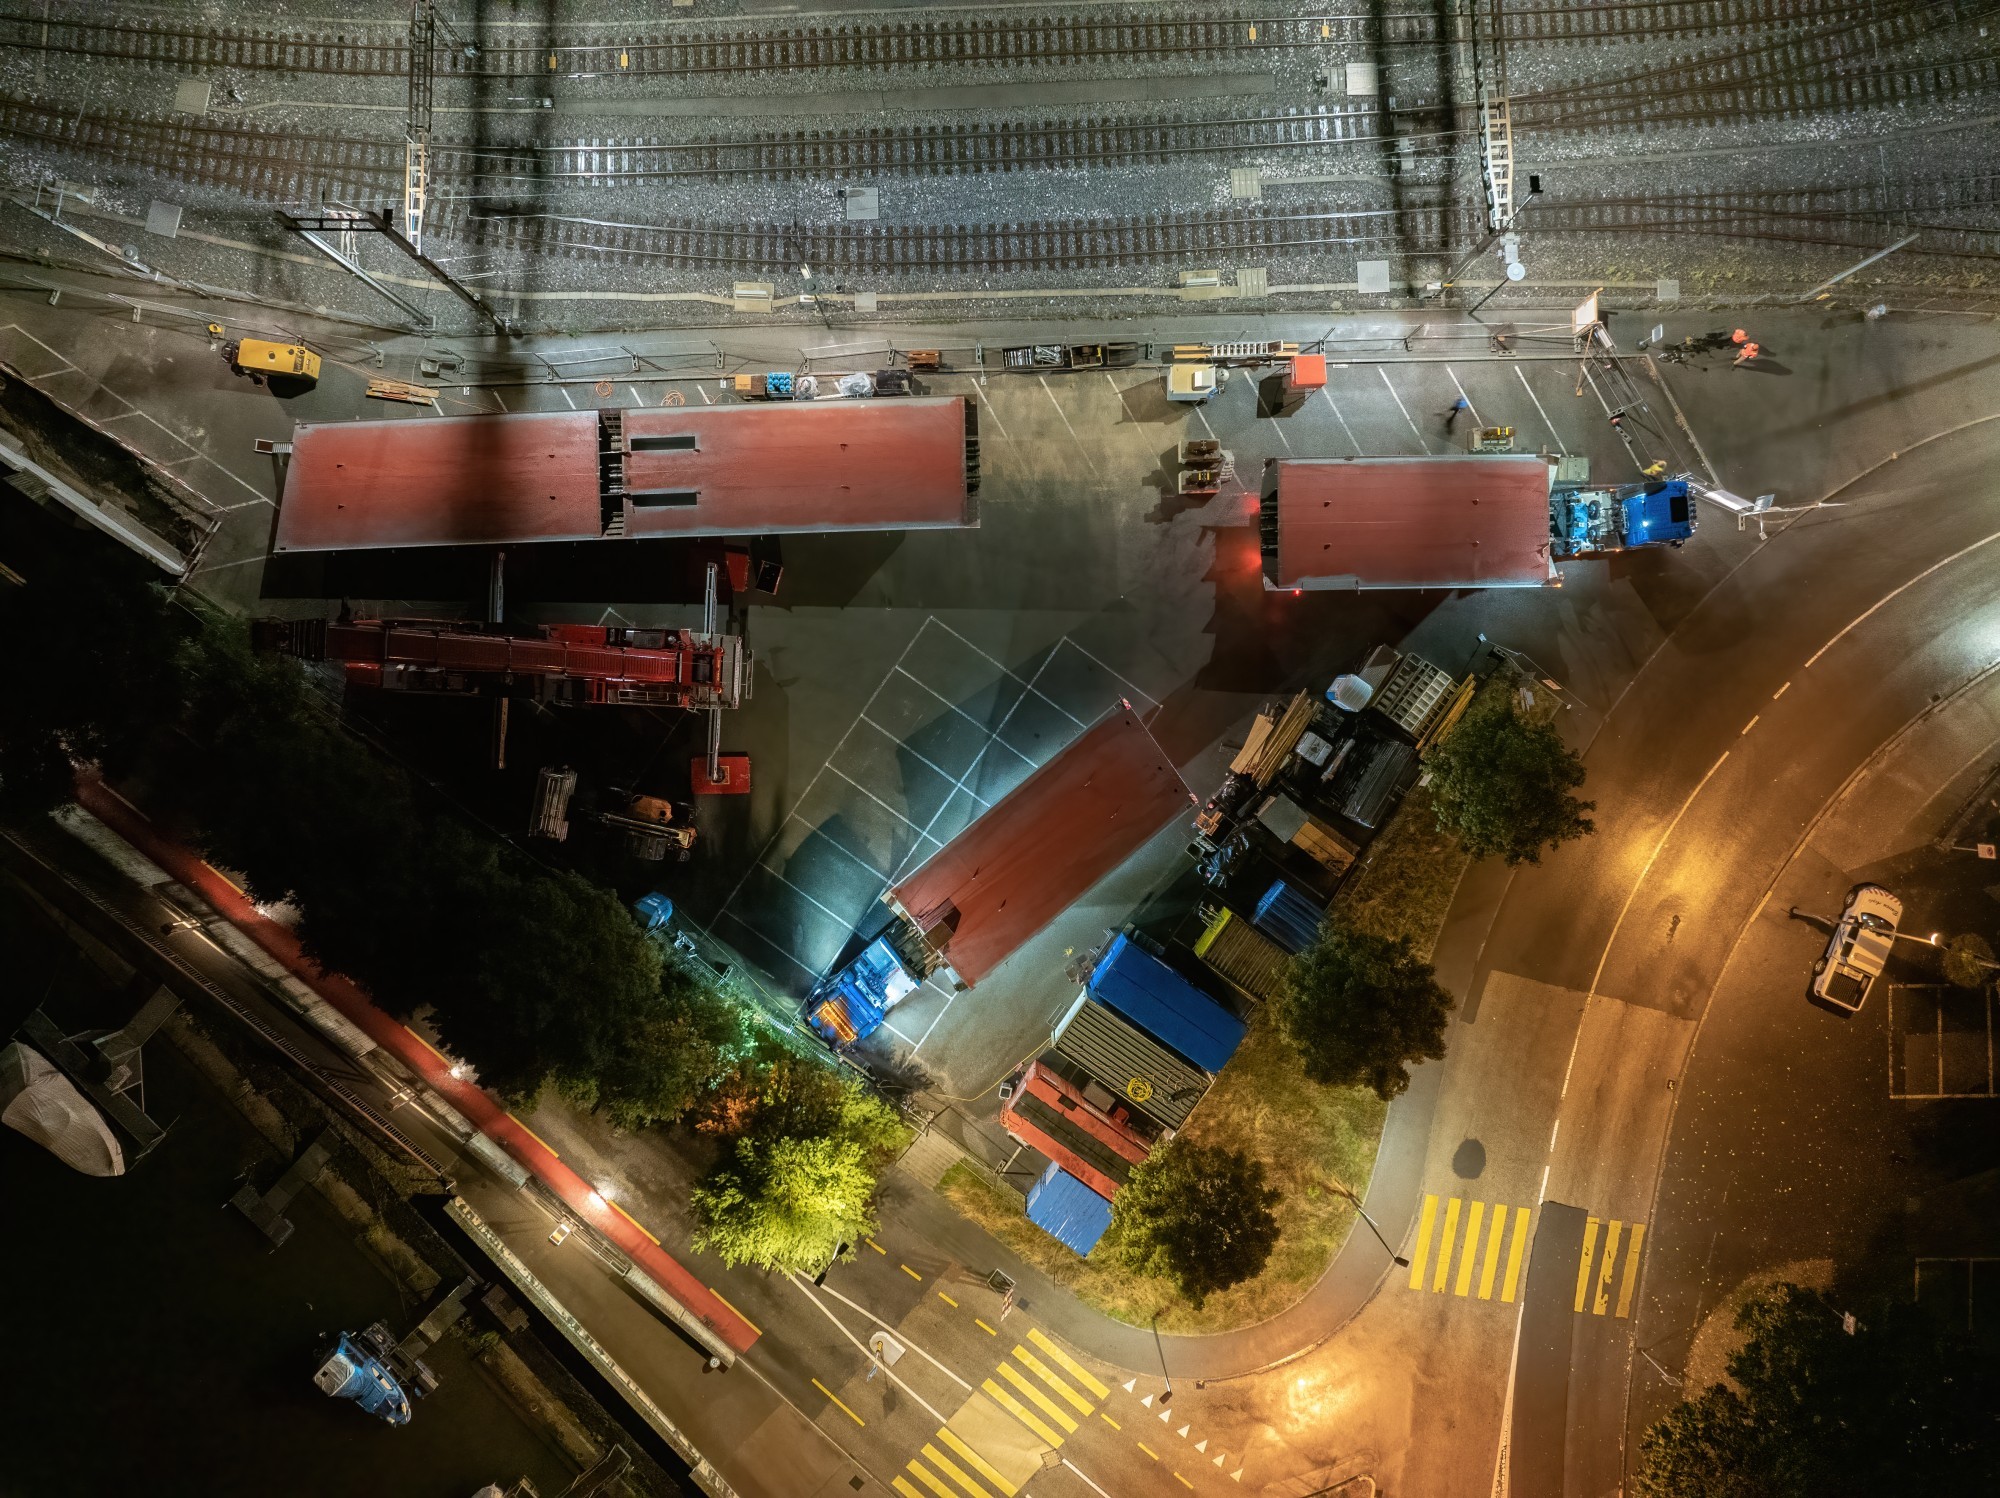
(1042,1371)
(1042,1401)
(1069,1364)
(1424,1226)
(931,1482)
(1514,1247)
(1601,1303)
(1493,1242)
(1590,1225)
(1630,1278)
(903,1487)
(978,1463)
(955,1472)
(1020,1412)
(1471,1253)
(1445,1241)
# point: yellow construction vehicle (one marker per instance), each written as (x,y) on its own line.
(260,359)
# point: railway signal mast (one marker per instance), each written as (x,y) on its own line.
(417,132)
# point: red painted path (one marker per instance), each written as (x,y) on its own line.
(478,1107)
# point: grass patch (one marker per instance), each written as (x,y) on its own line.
(1406,885)
(1261,1104)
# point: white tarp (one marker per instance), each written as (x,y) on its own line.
(40,1102)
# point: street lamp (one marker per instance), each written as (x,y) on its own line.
(1166,1398)
(1344,1191)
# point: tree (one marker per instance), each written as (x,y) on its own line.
(1898,1407)
(666,1059)
(1196,1214)
(94,668)
(1358,1007)
(1500,783)
(785,1204)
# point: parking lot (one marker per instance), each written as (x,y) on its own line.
(1941,1041)
(948,731)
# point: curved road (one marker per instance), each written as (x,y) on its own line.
(1591,987)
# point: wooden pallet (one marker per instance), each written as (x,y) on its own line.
(402,390)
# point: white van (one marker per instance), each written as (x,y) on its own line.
(1858,949)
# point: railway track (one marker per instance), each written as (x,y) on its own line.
(1847,218)
(291,166)
(1006,41)
(1834,66)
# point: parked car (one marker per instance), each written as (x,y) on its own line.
(1859,948)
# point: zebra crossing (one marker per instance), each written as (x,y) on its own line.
(994,1443)
(1599,1299)
(1488,1241)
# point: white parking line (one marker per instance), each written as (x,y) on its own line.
(1327,391)
(1066,426)
(1066,640)
(1403,408)
(833,914)
(921,759)
(1476,418)
(812,973)
(991,412)
(834,842)
(1011,672)
(948,1000)
(876,799)
(1538,406)
(730,899)
(963,714)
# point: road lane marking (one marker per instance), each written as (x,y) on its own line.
(1422,443)
(911,1273)
(1751,724)
(1538,406)
(947,1300)
(1781,691)
(1424,1226)
(870,1241)
(1886,598)
(437,1053)
(1042,1371)
(1445,1242)
(955,1472)
(837,1400)
(1466,1259)
(1590,1226)
(1600,1303)
(1514,1248)
(1042,1401)
(1020,1412)
(1630,1279)
(1183,1482)
(923,1476)
(1069,1364)
(1147,1449)
(903,1488)
(1493,1242)
(978,1463)
(1109,1421)
(739,1315)
(639,1225)
(537,1138)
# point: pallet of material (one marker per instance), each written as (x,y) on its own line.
(402,390)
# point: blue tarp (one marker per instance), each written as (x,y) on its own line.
(1289,916)
(1165,1005)
(1066,1209)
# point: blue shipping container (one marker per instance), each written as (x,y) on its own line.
(1067,1210)
(1165,1005)
(1289,916)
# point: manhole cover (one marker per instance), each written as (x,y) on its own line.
(602,387)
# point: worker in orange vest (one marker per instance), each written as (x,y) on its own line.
(1748,352)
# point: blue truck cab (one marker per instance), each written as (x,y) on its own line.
(852,1004)
(1593,522)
